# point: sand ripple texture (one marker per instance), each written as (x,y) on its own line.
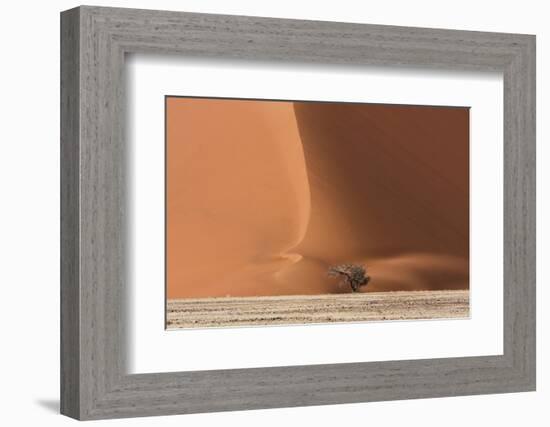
(300,309)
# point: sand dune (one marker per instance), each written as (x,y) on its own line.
(389,188)
(237,196)
(263,196)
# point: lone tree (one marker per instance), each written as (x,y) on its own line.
(351,274)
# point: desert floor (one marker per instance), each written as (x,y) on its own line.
(299,309)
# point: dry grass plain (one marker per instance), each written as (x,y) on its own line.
(299,309)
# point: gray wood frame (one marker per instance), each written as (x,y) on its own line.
(94,382)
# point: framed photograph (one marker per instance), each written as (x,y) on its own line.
(315,211)
(261,213)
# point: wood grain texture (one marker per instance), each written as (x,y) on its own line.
(70,220)
(94,240)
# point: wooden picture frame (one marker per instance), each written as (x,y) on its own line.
(94,382)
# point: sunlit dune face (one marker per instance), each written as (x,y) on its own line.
(263,196)
(237,194)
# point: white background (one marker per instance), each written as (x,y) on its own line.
(152,349)
(29,217)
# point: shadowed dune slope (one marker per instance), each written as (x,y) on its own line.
(389,187)
(263,196)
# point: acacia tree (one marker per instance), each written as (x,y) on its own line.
(352,274)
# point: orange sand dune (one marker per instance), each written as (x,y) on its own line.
(263,196)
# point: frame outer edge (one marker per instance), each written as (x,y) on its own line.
(527,174)
(70,396)
(532,226)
